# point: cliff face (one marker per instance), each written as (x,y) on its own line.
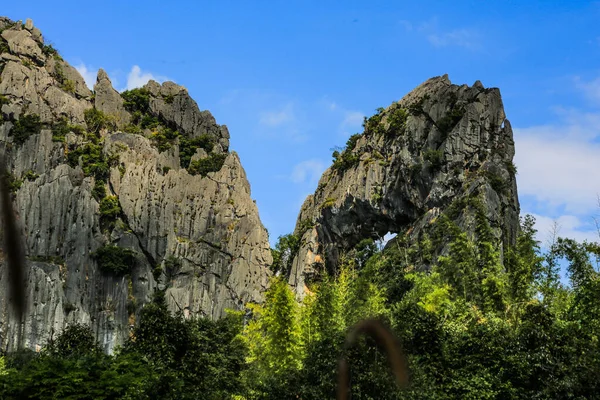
(150,174)
(427,154)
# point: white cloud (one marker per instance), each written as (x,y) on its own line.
(556,165)
(466,38)
(309,171)
(459,37)
(138,78)
(278,118)
(569,226)
(89,74)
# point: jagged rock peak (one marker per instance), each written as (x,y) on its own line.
(144,177)
(438,148)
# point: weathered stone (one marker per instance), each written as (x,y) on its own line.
(108,100)
(210,223)
(29,24)
(21,43)
(36,34)
(393,188)
(173,103)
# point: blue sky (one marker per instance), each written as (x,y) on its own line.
(291,80)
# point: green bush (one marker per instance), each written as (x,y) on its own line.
(163,138)
(61,128)
(68,86)
(96,120)
(92,159)
(115,260)
(132,128)
(74,341)
(347,159)
(59,73)
(110,208)
(496,181)
(372,124)
(434,157)
(99,190)
(136,100)
(212,163)
(188,147)
(169,99)
(329,202)
(30,175)
(511,167)
(48,50)
(26,126)
(397,119)
(449,121)
(4,46)
(13,183)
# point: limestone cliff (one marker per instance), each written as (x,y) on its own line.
(118,195)
(433,151)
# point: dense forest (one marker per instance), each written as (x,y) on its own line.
(472,327)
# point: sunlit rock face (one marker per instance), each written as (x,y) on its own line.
(199,237)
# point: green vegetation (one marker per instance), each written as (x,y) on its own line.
(434,157)
(59,73)
(68,86)
(511,167)
(30,175)
(48,50)
(372,125)
(346,159)
(96,120)
(212,163)
(284,252)
(449,121)
(115,260)
(470,327)
(397,118)
(13,182)
(110,208)
(188,147)
(93,160)
(164,138)
(136,100)
(167,357)
(329,202)
(4,48)
(99,190)
(496,181)
(25,126)
(61,128)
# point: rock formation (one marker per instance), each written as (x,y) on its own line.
(118,195)
(429,153)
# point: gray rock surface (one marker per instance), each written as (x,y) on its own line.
(209,224)
(108,100)
(395,187)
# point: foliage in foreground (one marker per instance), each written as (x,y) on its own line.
(471,329)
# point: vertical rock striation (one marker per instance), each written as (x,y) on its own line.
(167,190)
